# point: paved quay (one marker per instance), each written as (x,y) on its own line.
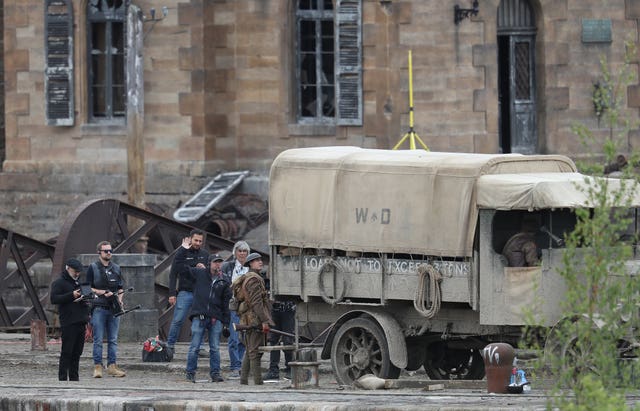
(28,381)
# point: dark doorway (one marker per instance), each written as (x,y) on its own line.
(516,77)
(503,94)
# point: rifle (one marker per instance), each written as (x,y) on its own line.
(243,327)
(122,312)
(559,241)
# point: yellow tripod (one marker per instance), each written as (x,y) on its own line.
(411,134)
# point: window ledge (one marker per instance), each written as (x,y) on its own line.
(312,129)
(117,129)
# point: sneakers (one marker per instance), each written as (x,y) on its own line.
(216,378)
(114,371)
(97,371)
(272,375)
(234,375)
(191,377)
(203,353)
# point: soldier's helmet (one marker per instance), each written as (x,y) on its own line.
(251,257)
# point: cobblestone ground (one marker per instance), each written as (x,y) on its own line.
(20,363)
(28,381)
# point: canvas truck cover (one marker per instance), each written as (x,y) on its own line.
(533,191)
(366,200)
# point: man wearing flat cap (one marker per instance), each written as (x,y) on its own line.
(209,314)
(73,312)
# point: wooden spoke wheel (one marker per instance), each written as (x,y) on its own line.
(359,348)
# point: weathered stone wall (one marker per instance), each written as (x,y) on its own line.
(2,106)
(218,84)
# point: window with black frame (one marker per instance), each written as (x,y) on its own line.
(316,92)
(106,49)
(328,50)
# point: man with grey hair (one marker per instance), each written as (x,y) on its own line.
(233,269)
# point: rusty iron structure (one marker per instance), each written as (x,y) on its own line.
(130,229)
(24,252)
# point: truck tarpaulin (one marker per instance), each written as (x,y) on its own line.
(367,200)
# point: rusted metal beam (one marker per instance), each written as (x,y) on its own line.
(26,280)
(88,224)
(5,318)
(109,219)
(25,253)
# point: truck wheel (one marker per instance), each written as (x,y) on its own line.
(444,363)
(562,348)
(359,348)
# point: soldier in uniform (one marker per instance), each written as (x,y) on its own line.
(521,249)
(254,310)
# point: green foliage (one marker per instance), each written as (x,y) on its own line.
(609,100)
(593,396)
(583,352)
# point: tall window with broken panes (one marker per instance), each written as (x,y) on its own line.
(328,49)
(106,60)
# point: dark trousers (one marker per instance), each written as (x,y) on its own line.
(72,346)
(285,321)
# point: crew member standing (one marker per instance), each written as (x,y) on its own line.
(107,284)
(255,312)
(74,315)
(234,269)
(283,314)
(209,314)
(189,255)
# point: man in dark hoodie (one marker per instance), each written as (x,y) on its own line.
(189,255)
(209,313)
(74,315)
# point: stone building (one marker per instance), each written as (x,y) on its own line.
(183,88)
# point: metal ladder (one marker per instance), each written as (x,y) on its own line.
(210,195)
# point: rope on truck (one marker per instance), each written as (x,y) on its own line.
(432,278)
(332,264)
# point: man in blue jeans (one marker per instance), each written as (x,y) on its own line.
(233,269)
(209,313)
(189,255)
(107,284)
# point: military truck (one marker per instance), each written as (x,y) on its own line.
(399,253)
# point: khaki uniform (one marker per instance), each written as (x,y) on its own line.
(254,309)
(521,250)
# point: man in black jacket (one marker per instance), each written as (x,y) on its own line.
(74,315)
(209,313)
(189,255)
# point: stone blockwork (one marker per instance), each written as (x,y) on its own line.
(2,105)
(219,86)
